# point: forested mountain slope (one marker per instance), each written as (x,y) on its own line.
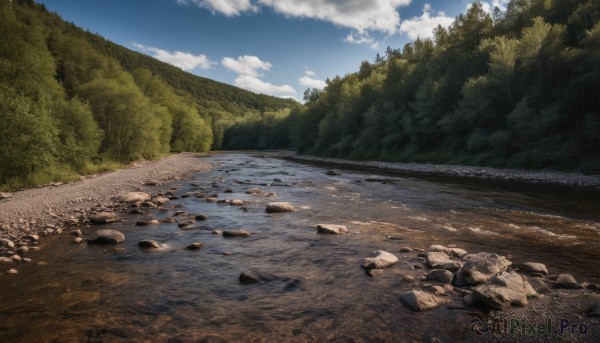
(518,88)
(69,97)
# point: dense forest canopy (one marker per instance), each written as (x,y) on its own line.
(71,101)
(517,88)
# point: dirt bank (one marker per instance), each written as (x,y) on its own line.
(31,210)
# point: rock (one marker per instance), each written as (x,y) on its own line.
(236,233)
(440,275)
(148,244)
(7,243)
(169,220)
(76,233)
(16,258)
(26,259)
(503,290)
(540,285)
(6,259)
(194,246)
(250,277)
(437,290)
(332,229)
(440,260)
(439,248)
(254,191)
(594,310)
(236,202)
(147,222)
(334,173)
(460,253)
(13,271)
(533,267)
(216,232)
(5,196)
(133,197)
(379,259)
(279,207)
(106,236)
(421,301)
(136,211)
(374,272)
(406,249)
(593,286)
(186,222)
(32,238)
(104,217)
(201,217)
(566,281)
(228,190)
(151,183)
(479,268)
(22,250)
(406,278)
(77,240)
(160,200)
(470,300)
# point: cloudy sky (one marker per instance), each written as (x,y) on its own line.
(277,47)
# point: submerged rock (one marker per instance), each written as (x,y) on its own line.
(421,301)
(504,290)
(334,173)
(280,207)
(148,244)
(479,268)
(104,217)
(106,236)
(332,229)
(236,233)
(194,246)
(379,259)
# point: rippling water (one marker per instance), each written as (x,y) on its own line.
(317,292)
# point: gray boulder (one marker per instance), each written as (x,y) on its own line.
(379,259)
(104,217)
(479,268)
(566,281)
(533,267)
(133,197)
(106,236)
(440,275)
(421,301)
(332,229)
(280,207)
(504,290)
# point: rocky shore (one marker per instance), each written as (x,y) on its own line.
(46,210)
(543,177)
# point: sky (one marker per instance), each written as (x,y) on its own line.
(275,47)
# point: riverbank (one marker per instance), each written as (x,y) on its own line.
(32,210)
(541,177)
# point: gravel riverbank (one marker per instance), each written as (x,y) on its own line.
(30,211)
(545,177)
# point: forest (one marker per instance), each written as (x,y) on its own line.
(514,88)
(74,103)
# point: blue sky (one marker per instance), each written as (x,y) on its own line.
(277,47)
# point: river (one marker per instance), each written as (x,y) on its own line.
(317,289)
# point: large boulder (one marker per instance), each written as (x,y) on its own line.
(133,197)
(104,217)
(440,275)
(421,301)
(379,259)
(479,268)
(441,261)
(279,207)
(106,236)
(332,229)
(533,267)
(504,290)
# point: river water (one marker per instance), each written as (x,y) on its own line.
(317,290)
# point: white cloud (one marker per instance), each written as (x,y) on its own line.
(488,6)
(309,81)
(246,65)
(257,85)
(229,8)
(360,15)
(248,68)
(363,38)
(423,26)
(183,60)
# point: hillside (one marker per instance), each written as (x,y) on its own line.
(515,88)
(72,101)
